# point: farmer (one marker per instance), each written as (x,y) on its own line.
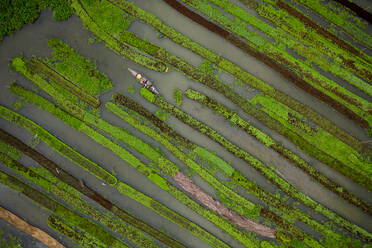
(146,83)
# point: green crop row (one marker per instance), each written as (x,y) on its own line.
(149,172)
(135,122)
(72,197)
(281,120)
(15,14)
(291,214)
(339,95)
(24,69)
(273,200)
(112,41)
(352,29)
(320,144)
(289,12)
(53,206)
(190,71)
(283,126)
(124,136)
(138,145)
(236,71)
(80,70)
(59,79)
(85,240)
(283,40)
(156,206)
(349,57)
(258,165)
(276,146)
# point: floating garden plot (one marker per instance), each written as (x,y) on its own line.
(104,160)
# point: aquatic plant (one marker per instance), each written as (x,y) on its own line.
(293,21)
(56,77)
(113,41)
(259,166)
(125,155)
(277,119)
(260,99)
(341,21)
(291,213)
(344,101)
(15,14)
(236,71)
(50,204)
(72,192)
(122,187)
(177,96)
(10,241)
(277,146)
(83,239)
(312,53)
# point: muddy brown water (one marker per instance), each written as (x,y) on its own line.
(32,40)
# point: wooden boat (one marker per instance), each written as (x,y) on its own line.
(144,81)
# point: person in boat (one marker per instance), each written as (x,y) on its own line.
(144,81)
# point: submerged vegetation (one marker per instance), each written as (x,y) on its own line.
(68,89)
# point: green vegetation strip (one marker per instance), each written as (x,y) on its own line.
(77,69)
(84,240)
(15,14)
(211,180)
(339,20)
(274,200)
(291,213)
(273,115)
(71,190)
(149,172)
(236,71)
(278,147)
(73,198)
(258,165)
(283,40)
(341,98)
(109,34)
(49,72)
(24,69)
(122,187)
(140,146)
(135,143)
(73,218)
(267,101)
(250,210)
(279,13)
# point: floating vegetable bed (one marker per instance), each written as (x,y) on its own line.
(259,135)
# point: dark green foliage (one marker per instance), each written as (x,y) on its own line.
(14,14)
(61,9)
